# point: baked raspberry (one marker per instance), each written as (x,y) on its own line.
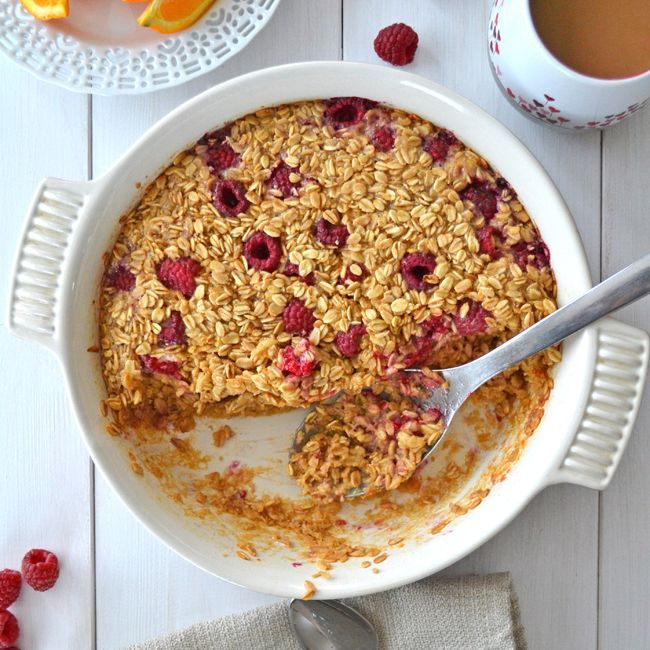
(9,629)
(179,274)
(280,180)
(300,360)
(483,196)
(474,320)
(40,569)
(415,267)
(341,112)
(219,157)
(421,346)
(292,271)
(349,343)
(10,583)
(434,326)
(120,277)
(298,318)
(383,139)
(172,331)
(396,44)
(230,198)
(263,252)
(536,254)
(154,365)
(438,145)
(487,237)
(353,276)
(329,234)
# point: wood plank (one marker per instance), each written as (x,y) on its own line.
(551,548)
(45,489)
(154,590)
(625,516)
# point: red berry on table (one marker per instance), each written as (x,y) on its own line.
(10,583)
(396,44)
(40,569)
(9,630)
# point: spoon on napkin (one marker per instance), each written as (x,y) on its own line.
(621,289)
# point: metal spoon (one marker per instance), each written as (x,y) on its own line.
(330,625)
(623,288)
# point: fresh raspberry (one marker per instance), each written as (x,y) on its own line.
(120,278)
(487,237)
(349,343)
(341,112)
(40,569)
(219,157)
(230,198)
(383,139)
(154,365)
(415,267)
(438,145)
(263,252)
(179,274)
(292,271)
(483,196)
(396,44)
(536,254)
(331,235)
(300,360)
(9,630)
(474,320)
(172,331)
(10,583)
(351,276)
(298,318)
(280,180)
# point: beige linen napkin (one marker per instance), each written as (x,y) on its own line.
(462,613)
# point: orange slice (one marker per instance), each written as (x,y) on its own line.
(168,16)
(46,9)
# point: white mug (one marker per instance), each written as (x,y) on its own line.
(535,82)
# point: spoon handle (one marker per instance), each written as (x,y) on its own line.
(621,289)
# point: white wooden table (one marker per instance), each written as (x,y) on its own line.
(579,559)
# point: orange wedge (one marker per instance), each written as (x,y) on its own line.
(168,16)
(46,9)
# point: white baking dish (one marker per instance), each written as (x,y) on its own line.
(588,417)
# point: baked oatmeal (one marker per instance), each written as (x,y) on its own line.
(312,248)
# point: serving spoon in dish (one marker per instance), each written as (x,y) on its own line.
(621,289)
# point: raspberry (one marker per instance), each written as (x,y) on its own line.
(351,276)
(396,44)
(438,145)
(219,157)
(503,185)
(483,196)
(331,235)
(172,331)
(383,139)
(154,365)
(415,267)
(9,630)
(179,274)
(432,329)
(292,271)
(341,112)
(40,569)
(349,343)
(435,325)
(536,254)
(120,278)
(230,198)
(263,252)
(280,180)
(298,361)
(474,320)
(487,237)
(298,318)
(10,583)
